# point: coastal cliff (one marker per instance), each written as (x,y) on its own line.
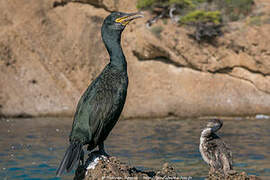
(50,51)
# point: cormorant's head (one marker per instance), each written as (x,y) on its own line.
(118,20)
(214,124)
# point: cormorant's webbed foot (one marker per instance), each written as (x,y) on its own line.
(102,150)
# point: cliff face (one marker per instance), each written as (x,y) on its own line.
(50,50)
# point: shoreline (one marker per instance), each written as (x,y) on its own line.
(253,117)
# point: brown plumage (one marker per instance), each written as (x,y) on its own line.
(214,150)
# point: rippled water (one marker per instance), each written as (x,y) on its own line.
(32,148)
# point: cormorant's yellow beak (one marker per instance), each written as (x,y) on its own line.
(129,17)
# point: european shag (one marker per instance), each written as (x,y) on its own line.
(213,149)
(101,104)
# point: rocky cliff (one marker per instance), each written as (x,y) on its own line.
(50,50)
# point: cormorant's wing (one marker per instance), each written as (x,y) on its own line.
(223,155)
(93,110)
(97,108)
(80,126)
(227,158)
(213,154)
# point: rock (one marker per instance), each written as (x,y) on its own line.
(42,61)
(167,171)
(108,5)
(112,168)
(50,51)
(233,176)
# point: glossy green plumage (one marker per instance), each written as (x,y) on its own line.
(102,103)
(100,107)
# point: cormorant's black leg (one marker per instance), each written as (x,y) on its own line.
(102,150)
(82,157)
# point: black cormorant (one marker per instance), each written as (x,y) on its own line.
(101,104)
(213,149)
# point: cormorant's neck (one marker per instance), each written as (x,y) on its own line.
(112,41)
(206,132)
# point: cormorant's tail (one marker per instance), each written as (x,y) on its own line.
(71,156)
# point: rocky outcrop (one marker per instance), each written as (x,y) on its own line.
(232,176)
(50,50)
(112,168)
(105,168)
(108,5)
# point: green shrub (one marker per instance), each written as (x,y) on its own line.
(141,4)
(156,30)
(184,3)
(255,20)
(199,16)
(243,6)
(208,24)
(232,10)
(236,9)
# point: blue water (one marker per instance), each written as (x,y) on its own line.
(32,148)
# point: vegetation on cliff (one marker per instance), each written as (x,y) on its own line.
(197,16)
(229,9)
(198,13)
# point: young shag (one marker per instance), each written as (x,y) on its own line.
(101,104)
(213,149)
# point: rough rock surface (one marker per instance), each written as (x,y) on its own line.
(233,176)
(50,50)
(112,168)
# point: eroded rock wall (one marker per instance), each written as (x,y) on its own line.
(50,50)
